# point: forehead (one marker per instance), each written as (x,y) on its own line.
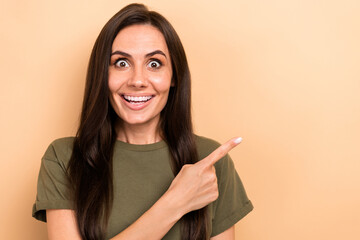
(140,38)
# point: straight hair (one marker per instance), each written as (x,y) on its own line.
(90,167)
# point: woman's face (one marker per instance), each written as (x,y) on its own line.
(139,75)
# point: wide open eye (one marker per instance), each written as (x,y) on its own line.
(154,64)
(121,63)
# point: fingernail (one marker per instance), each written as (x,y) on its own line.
(238,140)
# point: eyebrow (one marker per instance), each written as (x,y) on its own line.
(147,55)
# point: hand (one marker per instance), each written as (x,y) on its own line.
(195,186)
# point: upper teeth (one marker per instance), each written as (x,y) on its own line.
(137,99)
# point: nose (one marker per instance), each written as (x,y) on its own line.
(138,78)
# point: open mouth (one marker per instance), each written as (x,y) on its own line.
(137,100)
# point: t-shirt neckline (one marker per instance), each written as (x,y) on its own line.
(141,147)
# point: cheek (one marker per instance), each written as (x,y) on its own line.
(161,82)
(112,100)
(113,82)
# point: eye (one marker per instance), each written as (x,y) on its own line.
(121,63)
(154,64)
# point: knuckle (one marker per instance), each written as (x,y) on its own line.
(215,195)
(203,169)
(216,187)
(213,178)
(221,152)
(185,166)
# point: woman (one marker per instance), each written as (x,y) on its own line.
(133,171)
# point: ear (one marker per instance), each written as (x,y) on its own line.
(172,82)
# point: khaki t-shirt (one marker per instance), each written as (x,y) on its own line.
(142,174)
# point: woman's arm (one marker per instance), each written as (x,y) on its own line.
(182,196)
(153,224)
(61,224)
(229,234)
(194,187)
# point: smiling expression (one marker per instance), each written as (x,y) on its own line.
(139,75)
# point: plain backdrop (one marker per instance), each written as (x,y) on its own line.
(283,74)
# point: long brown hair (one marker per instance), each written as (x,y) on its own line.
(90,167)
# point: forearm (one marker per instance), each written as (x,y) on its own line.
(155,222)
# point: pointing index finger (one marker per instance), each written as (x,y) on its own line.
(221,151)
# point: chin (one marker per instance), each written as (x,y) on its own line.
(137,120)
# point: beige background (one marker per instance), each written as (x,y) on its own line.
(283,74)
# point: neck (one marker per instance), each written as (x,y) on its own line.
(138,133)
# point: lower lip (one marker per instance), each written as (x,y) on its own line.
(136,106)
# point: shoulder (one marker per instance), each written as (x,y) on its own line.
(205,145)
(60,150)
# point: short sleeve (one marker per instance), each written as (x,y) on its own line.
(52,185)
(232,203)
